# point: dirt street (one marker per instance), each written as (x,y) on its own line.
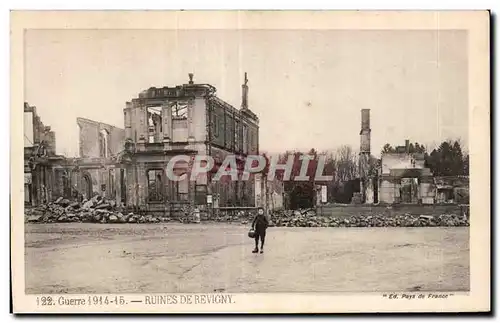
(128,258)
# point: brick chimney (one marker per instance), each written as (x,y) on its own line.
(244,94)
(407,146)
(365,132)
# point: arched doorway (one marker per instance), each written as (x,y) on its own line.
(66,187)
(64,176)
(87,186)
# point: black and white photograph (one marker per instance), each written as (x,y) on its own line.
(187,167)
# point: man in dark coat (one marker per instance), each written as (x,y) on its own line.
(260,224)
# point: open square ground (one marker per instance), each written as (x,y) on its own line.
(166,257)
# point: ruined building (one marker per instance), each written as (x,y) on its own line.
(95,170)
(49,176)
(188,119)
(129,165)
(403,178)
(39,156)
(398,177)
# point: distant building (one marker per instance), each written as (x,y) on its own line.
(403,178)
(452,189)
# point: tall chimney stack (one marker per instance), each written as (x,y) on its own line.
(364,157)
(244,93)
(365,132)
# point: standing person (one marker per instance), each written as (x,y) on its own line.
(260,224)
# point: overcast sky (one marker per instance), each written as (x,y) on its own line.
(307,87)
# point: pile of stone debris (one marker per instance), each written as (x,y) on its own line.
(308,218)
(96,210)
(100,210)
(242,217)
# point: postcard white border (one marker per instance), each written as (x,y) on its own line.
(475,22)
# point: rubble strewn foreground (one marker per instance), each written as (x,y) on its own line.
(95,210)
(98,210)
(310,219)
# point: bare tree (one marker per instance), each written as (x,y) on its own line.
(346,164)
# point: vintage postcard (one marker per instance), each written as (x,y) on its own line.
(250,161)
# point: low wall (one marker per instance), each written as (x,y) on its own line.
(347,210)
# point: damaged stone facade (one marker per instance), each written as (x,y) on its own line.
(129,165)
(403,178)
(95,171)
(452,189)
(99,140)
(188,119)
(49,176)
(81,178)
(39,155)
(400,177)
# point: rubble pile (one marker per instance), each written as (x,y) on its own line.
(95,210)
(100,210)
(238,217)
(310,219)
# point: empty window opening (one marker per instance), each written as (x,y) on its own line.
(237,136)
(181,186)
(123,186)
(229,132)
(155,127)
(200,194)
(155,185)
(409,190)
(179,109)
(245,139)
(215,122)
(103,143)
